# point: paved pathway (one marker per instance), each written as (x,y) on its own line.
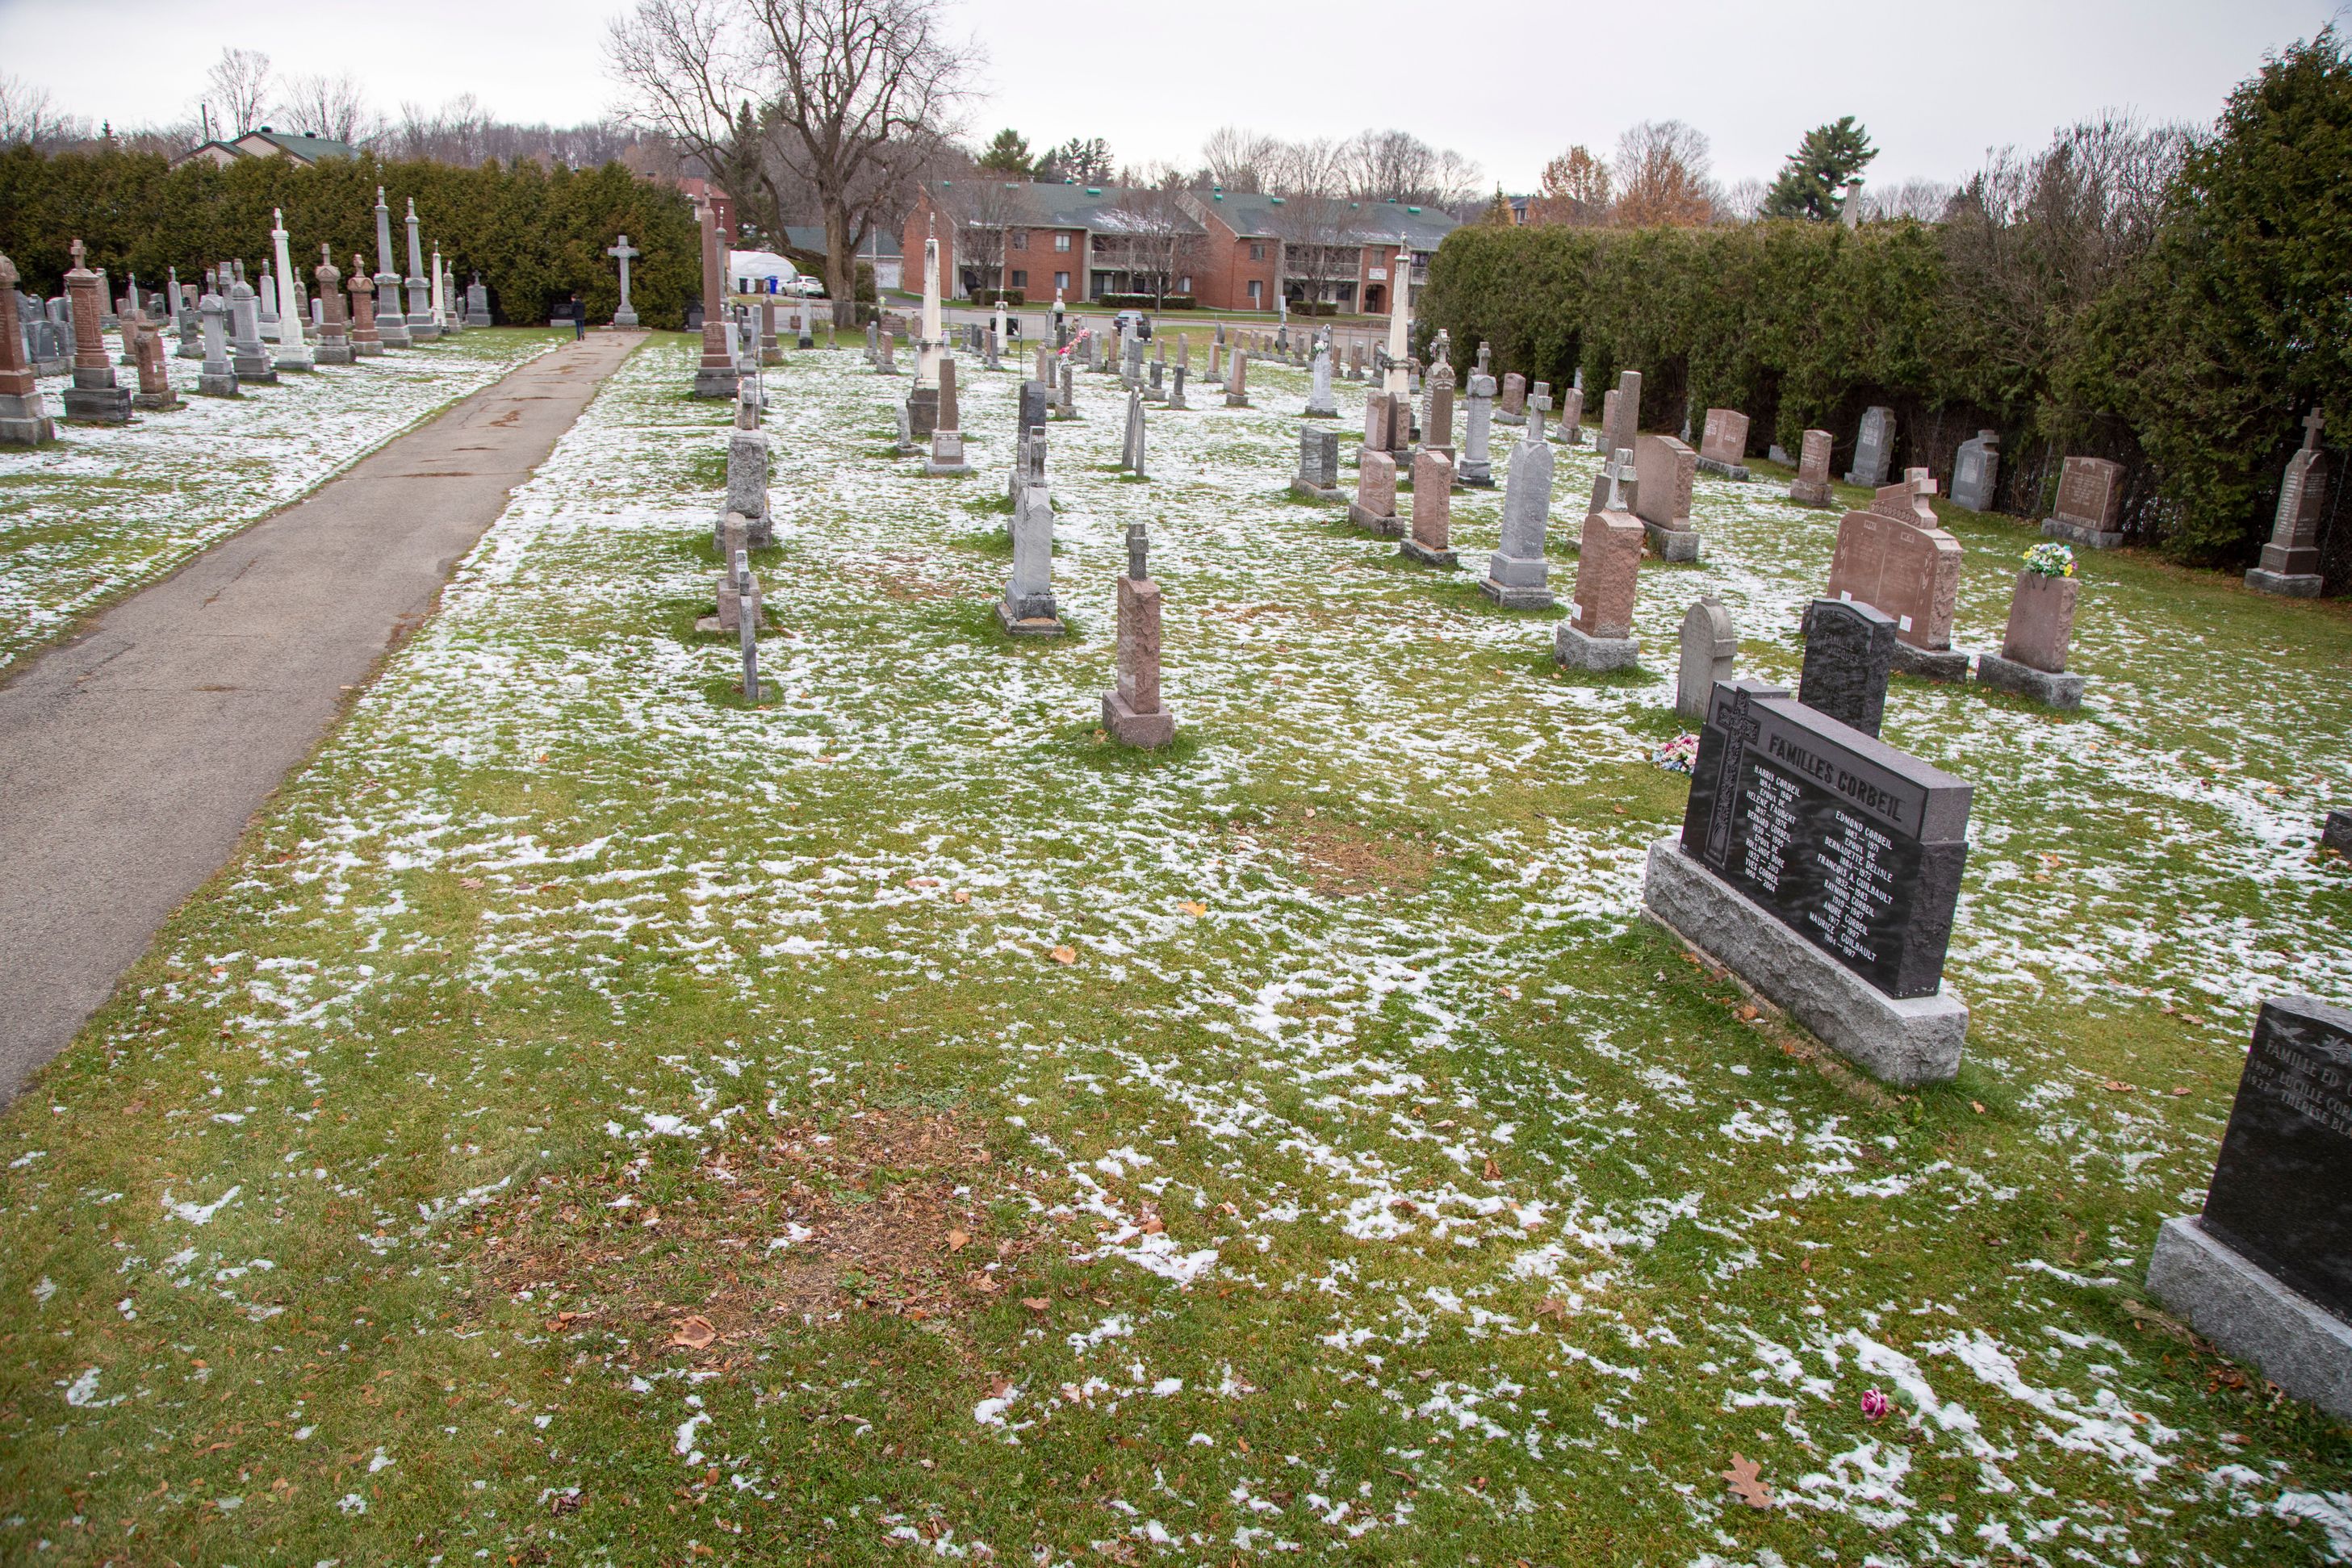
(133,757)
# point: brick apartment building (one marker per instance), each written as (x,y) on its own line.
(1228,251)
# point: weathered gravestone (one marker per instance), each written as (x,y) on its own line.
(2090,497)
(1133,712)
(2290,563)
(94,398)
(2265,1272)
(1320,401)
(1896,559)
(747,485)
(1723,444)
(1600,637)
(1513,410)
(24,413)
(1517,578)
(1822,866)
(1620,421)
(1437,418)
(1710,651)
(1664,469)
(1374,507)
(1237,380)
(1476,468)
(1571,413)
(1811,487)
(946,460)
(1430,542)
(2032,657)
(2336,831)
(1028,609)
(1378,424)
(1318,478)
(1975,470)
(1849,650)
(218,378)
(1873,448)
(1131,452)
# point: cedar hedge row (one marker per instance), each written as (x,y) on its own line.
(536,235)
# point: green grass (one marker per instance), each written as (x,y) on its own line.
(554,893)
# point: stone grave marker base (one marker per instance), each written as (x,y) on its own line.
(219,386)
(1597,655)
(1414,550)
(2079,534)
(1931,663)
(1016,626)
(2299,1344)
(1512,419)
(156,403)
(1129,727)
(1724,470)
(1305,491)
(2336,833)
(1388,528)
(715,383)
(2058,691)
(1811,493)
(2285,584)
(97,405)
(1673,544)
(1904,1042)
(1237,400)
(334,353)
(1479,477)
(1511,596)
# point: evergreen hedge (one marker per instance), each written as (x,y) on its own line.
(536,235)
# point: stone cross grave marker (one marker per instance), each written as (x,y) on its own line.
(2290,561)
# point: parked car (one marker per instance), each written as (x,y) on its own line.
(808,288)
(1135,321)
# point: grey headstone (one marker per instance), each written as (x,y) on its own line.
(1849,652)
(1873,448)
(1975,470)
(1710,651)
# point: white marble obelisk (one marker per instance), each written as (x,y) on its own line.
(1397,382)
(926,355)
(293,347)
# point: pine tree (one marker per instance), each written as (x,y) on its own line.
(1812,182)
(1498,211)
(1008,154)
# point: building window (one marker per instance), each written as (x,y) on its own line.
(1257,291)
(1061,280)
(1257,253)
(1184,284)
(1021,239)
(1061,242)
(1020,278)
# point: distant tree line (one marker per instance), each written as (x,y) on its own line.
(2175,301)
(537,235)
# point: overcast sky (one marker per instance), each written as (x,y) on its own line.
(1507,85)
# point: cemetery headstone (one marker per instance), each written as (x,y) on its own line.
(1477,467)
(1873,448)
(1130,455)
(1237,380)
(1849,653)
(1571,413)
(155,394)
(390,325)
(1517,577)
(478,303)
(24,412)
(1811,487)
(1620,421)
(218,378)
(1513,410)
(1431,540)
(2032,657)
(2336,831)
(1710,653)
(1318,478)
(1374,507)
(334,325)
(715,376)
(1176,388)
(1599,638)
(1723,444)
(1028,609)
(94,398)
(946,460)
(1822,867)
(367,339)
(1665,469)
(2290,561)
(1319,400)
(746,485)
(1975,469)
(2090,497)
(2265,1270)
(423,326)
(1895,559)
(1133,712)
(1437,418)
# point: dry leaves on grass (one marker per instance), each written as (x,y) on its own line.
(1746,1484)
(1065,955)
(1343,860)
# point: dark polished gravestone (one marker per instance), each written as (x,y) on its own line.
(1824,867)
(2265,1272)
(1849,650)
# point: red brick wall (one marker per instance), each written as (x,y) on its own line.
(1223,270)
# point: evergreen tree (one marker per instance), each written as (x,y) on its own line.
(1498,211)
(1812,182)
(1009,154)
(1079,162)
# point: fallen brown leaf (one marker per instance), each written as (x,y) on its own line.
(1746,1484)
(1153,1225)
(958,1241)
(961,896)
(1037,1303)
(1494,1171)
(1193,908)
(695,1334)
(1065,955)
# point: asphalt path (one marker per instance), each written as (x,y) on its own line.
(133,757)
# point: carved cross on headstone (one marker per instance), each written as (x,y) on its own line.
(2312,425)
(75,250)
(1537,405)
(1138,544)
(1621,468)
(1741,727)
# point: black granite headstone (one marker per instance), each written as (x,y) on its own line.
(1849,649)
(2281,1192)
(1033,398)
(1852,844)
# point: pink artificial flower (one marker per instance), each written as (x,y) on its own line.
(1873,1404)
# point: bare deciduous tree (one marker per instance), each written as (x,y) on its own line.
(239,86)
(1926,200)
(1237,158)
(1322,239)
(29,117)
(984,206)
(1740,201)
(852,95)
(1157,239)
(1381,164)
(333,107)
(1660,175)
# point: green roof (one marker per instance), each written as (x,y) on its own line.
(309,148)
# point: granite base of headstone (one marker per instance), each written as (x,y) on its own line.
(2335,832)
(1823,868)
(1849,653)
(2265,1270)
(95,402)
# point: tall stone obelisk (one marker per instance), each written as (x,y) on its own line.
(423,325)
(1398,380)
(391,326)
(293,346)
